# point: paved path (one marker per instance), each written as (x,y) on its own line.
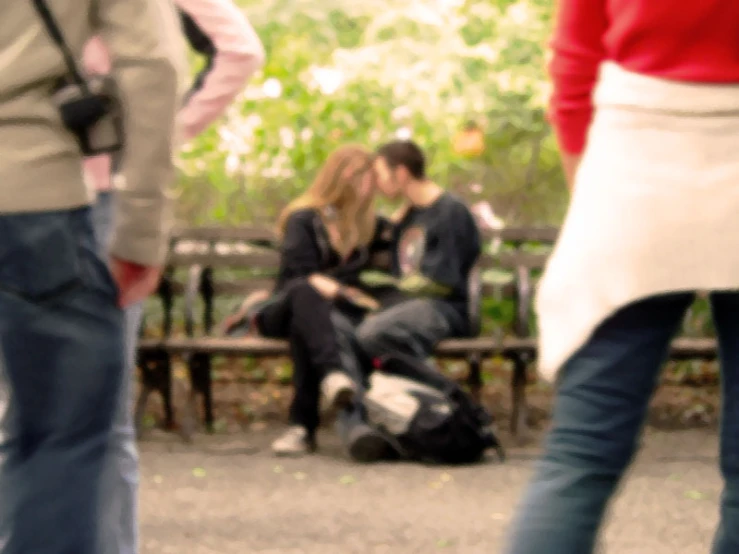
(227,494)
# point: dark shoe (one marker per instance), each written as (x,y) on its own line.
(367,445)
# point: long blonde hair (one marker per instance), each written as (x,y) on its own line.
(335,194)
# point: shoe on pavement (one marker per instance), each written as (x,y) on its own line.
(294,442)
(368,445)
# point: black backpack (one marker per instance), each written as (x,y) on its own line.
(426,415)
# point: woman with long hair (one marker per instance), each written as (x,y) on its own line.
(646,108)
(329,234)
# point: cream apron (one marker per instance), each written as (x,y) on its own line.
(655,207)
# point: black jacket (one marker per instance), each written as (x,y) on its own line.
(306,249)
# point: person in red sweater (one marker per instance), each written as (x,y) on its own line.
(646,110)
(696,42)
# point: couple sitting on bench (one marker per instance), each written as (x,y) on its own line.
(353,286)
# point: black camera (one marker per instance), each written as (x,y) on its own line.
(91,110)
(89,105)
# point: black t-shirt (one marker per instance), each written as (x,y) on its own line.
(442,243)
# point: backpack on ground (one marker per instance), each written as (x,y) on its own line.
(426,415)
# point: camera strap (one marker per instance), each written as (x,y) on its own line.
(56,34)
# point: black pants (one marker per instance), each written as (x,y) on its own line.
(317,334)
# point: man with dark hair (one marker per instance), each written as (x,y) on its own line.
(435,248)
(403,153)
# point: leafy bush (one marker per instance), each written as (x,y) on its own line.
(340,71)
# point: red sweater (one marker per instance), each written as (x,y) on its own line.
(681,40)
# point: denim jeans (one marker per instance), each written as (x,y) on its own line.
(118,531)
(602,399)
(357,366)
(61,363)
(413,327)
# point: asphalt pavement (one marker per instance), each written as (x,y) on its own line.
(227,494)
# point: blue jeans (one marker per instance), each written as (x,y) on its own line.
(349,420)
(602,400)
(118,532)
(413,327)
(61,363)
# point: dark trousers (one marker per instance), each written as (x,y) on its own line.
(412,327)
(321,340)
(602,399)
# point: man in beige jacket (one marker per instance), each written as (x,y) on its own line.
(220,31)
(61,325)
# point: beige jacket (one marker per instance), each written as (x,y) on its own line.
(40,164)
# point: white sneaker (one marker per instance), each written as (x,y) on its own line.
(294,442)
(338,390)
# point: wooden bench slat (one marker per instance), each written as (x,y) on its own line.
(505,290)
(245,286)
(513,260)
(223,234)
(252,233)
(258,346)
(524,234)
(485,346)
(255,346)
(231,288)
(682,348)
(251,260)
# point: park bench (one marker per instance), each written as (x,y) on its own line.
(211,265)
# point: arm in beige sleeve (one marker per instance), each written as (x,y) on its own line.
(146,71)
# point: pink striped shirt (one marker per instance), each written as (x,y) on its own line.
(237,55)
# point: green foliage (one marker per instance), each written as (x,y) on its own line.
(341,71)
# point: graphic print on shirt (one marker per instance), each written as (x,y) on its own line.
(411,249)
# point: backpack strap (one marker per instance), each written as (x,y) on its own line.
(52,28)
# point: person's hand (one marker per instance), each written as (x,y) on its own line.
(326,287)
(135,282)
(360,298)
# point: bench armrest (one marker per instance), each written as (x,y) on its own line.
(166,296)
(192,288)
(522,320)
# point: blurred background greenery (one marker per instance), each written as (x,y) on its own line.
(345,71)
